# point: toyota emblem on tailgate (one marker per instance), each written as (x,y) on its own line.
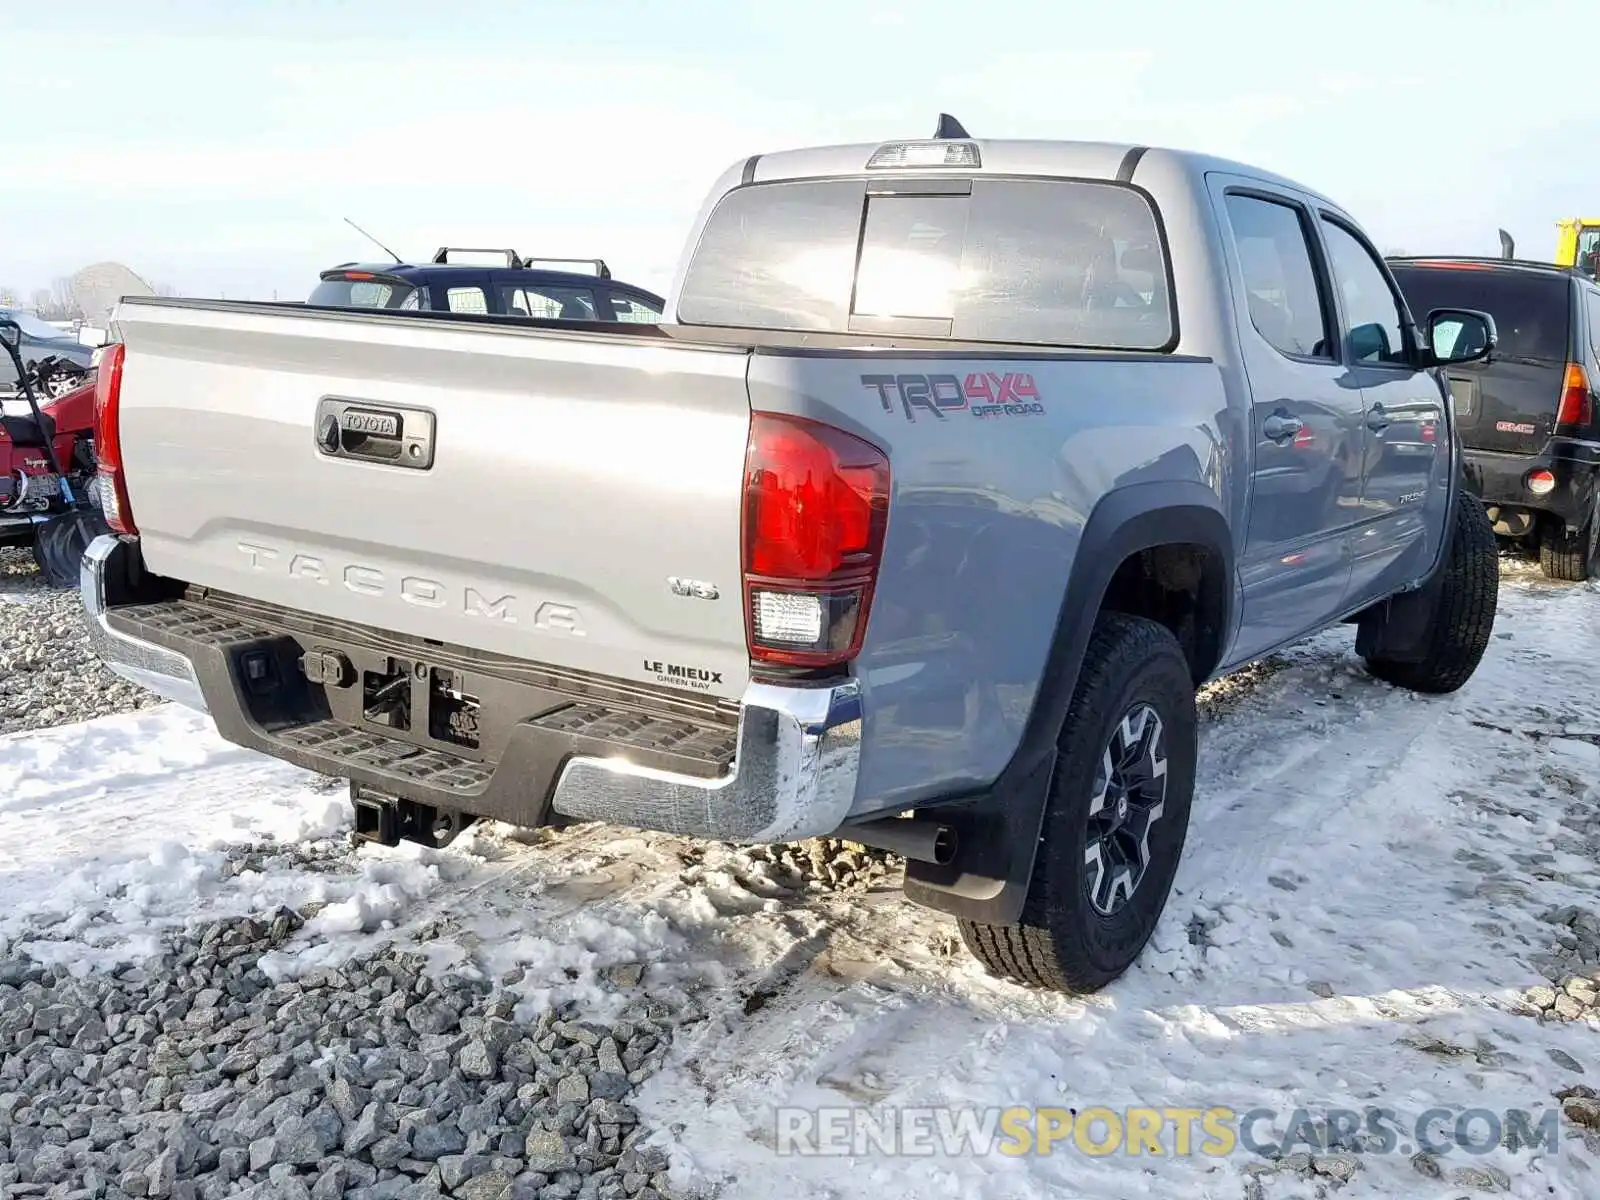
(382,434)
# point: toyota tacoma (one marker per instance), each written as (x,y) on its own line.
(955,467)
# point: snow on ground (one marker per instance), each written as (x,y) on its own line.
(113,828)
(1373,881)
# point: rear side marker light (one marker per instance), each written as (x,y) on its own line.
(816,505)
(1577,401)
(1541,483)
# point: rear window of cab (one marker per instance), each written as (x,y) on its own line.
(1054,262)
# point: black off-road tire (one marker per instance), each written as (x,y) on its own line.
(1062,942)
(1564,555)
(1464,620)
(59,543)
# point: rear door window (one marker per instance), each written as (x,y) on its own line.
(1053,262)
(550,303)
(1285,301)
(469,299)
(1531,309)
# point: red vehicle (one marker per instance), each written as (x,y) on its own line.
(47,465)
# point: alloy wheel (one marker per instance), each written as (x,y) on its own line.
(1129,798)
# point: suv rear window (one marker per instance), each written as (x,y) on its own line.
(1530,308)
(368,293)
(1053,262)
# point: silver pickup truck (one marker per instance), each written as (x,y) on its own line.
(954,470)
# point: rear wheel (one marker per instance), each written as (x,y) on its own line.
(1115,820)
(1568,555)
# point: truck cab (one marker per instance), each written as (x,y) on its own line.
(516,289)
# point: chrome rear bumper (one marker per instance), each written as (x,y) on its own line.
(793,773)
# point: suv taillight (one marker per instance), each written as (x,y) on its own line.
(108,439)
(816,504)
(1577,402)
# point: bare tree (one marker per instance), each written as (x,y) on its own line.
(66,304)
(165,289)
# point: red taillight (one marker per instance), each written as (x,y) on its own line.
(1577,402)
(108,440)
(1430,432)
(1541,482)
(816,503)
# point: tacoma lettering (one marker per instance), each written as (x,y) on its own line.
(416,590)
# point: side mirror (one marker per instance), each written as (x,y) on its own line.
(10,333)
(1459,335)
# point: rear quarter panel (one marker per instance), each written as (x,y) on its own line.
(985,519)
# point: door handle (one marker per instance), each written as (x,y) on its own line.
(1377,419)
(1280,426)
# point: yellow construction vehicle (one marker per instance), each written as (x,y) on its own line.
(1578,244)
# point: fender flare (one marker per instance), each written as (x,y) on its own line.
(998,830)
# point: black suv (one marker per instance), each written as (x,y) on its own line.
(1529,417)
(517,289)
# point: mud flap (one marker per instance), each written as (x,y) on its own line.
(996,839)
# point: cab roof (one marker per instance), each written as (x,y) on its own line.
(1111,161)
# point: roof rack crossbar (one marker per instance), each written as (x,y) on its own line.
(442,254)
(518,261)
(599,264)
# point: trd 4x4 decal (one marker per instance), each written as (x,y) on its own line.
(982,393)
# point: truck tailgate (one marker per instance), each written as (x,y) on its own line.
(572,477)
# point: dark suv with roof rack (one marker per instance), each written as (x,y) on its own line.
(517,289)
(1528,415)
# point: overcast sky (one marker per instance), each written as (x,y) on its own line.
(216,147)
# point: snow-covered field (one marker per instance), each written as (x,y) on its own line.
(204,991)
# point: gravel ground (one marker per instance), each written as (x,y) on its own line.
(194,1076)
(48,674)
